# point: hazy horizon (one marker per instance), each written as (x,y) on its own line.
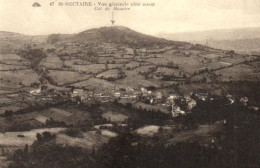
(162,32)
(168,16)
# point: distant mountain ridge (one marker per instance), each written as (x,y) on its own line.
(241,39)
(10,41)
(222,34)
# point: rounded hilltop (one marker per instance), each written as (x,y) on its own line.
(114,34)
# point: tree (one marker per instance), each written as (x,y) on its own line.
(74,132)
(39,137)
(160,129)
(8,113)
(98,132)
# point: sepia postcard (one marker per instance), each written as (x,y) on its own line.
(129,83)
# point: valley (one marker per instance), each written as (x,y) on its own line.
(121,97)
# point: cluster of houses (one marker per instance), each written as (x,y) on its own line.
(143,95)
(79,95)
(108,95)
(42,95)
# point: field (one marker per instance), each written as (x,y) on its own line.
(72,62)
(14,69)
(4,67)
(6,85)
(106,60)
(202,134)
(158,61)
(12,139)
(115,66)
(14,106)
(41,119)
(52,62)
(144,69)
(89,69)
(25,77)
(89,140)
(61,112)
(69,116)
(93,83)
(187,64)
(114,117)
(63,77)
(168,71)
(140,105)
(238,73)
(218,64)
(109,74)
(148,130)
(211,56)
(132,65)
(9,57)
(13,59)
(37,119)
(128,80)
(234,60)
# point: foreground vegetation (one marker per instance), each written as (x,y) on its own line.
(235,145)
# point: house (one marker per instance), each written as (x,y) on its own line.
(89,93)
(133,96)
(187,98)
(104,95)
(47,97)
(230,98)
(158,95)
(144,90)
(244,100)
(117,94)
(172,97)
(77,92)
(41,119)
(125,96)
(129,90)
(97,94)
(176,110)
(36,91)
(202,96)
(192,103)
(254,108)
(141,50)
(83,97)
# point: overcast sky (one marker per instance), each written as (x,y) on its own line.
(167,16)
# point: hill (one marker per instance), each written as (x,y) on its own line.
(9,41)
(113,97)
(240,45)
(242,39)
(115,34)
(105,57)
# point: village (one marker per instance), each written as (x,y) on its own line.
(93,87)
(151,99)
(148,98)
